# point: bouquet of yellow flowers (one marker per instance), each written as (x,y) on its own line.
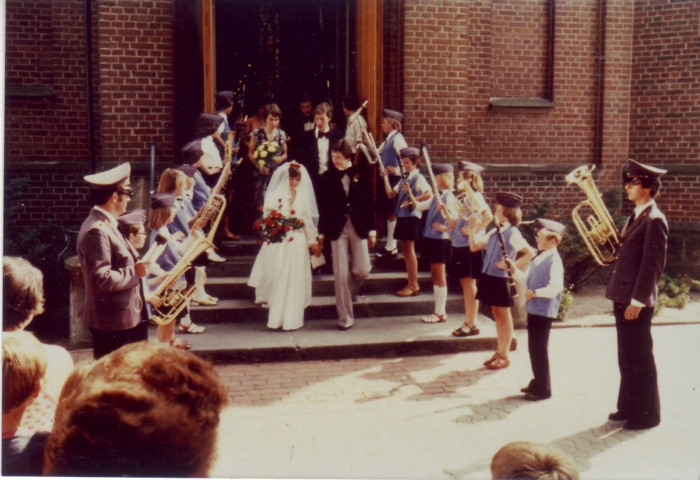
(266,151)
(273,226)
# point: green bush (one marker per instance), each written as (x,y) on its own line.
(567,300)
(673,292)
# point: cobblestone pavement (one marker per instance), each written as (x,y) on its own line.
(445,416)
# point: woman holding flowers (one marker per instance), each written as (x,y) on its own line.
(281,273)
(268,150)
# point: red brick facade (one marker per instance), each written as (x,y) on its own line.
(529,88)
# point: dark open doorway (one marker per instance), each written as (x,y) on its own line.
(280,49)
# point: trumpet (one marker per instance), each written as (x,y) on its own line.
(175,299)
(598,230)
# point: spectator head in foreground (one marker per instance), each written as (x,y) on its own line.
(528,460)
(145,410)
(23,293)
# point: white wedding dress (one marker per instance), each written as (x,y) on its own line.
(281,273)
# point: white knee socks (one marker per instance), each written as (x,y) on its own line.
(390,242)
(440,299)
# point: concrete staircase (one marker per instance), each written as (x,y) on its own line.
(386,325)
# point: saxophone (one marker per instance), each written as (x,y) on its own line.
(174,298)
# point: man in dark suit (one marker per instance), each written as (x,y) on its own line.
(347,220)
(113,309)
(632,288)
(318,143)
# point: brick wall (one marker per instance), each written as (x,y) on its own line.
(45,116)
(665,111)
(46,137)
(458,58)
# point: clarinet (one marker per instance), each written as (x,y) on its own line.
(501,241)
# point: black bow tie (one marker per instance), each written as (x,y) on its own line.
(348,171)
(324,134)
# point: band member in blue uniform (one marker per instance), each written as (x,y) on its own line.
(493,285)
(408,193)
(441,219)
(545,283)
(633,290)
(465,264)
(390,150)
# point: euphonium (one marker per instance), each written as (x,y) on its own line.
(175,298)
(468,205)
(597,229)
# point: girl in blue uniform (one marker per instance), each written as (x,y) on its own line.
(409,192)
(465,264)
(493,287)
(441,219)
(545,283)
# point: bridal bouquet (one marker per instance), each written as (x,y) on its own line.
(273,226)
(265,152)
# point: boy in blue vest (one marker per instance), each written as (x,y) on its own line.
(545,282)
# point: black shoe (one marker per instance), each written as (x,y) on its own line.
(618,416)
(640,424)
(387,253)
(535,397)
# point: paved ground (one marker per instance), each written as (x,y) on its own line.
(445,416)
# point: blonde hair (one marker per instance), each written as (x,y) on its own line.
(394,123)
(145,410)
(528,460)
(448,178)
(24,362)
(23,291)
(171,180)
(474,179)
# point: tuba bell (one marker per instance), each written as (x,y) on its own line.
(597,228)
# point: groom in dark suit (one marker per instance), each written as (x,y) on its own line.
(347,221)
(632,288)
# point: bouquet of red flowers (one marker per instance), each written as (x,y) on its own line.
(273,226)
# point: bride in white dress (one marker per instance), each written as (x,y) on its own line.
(281,273)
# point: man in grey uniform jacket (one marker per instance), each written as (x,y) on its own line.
(114,307)
(632,288)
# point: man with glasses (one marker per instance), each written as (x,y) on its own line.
(113,308)
(632,288)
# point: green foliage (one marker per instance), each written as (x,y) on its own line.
(567,300)
(39,244)
(579,265)
(673,292)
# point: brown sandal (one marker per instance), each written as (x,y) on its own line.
(408,292)
(493,358)
(499,363)
(465,331)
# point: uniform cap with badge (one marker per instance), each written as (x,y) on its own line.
(116,178)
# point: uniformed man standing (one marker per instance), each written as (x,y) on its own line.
(632,288)
(114,308)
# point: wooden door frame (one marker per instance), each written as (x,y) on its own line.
(370,57)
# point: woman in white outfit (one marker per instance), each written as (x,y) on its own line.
(281,273)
